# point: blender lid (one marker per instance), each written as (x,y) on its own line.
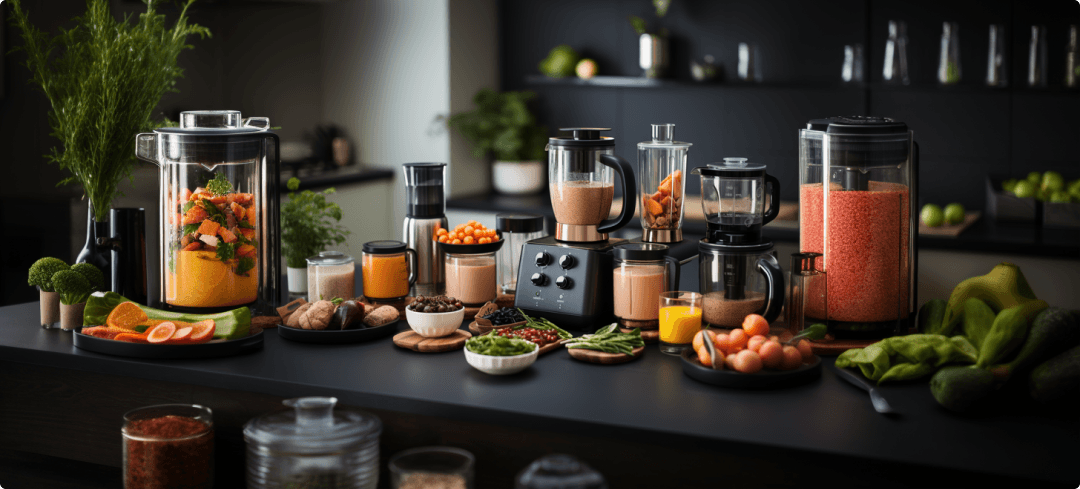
(640,251)
(214,137)
(519,223)
(384,247)
(328,258)
(213,123)
(312,427)
(662,138)
(858,125)
(732,167)
(859,142)
(583,137)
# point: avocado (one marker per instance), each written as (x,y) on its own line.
(1057,377)
(960,388)
(1053,331)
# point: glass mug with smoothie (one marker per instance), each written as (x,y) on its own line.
(387,271)
(642,271)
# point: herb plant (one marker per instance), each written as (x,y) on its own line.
(503,125)
(103,78)
(308,224)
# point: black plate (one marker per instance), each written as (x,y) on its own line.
(214,348)
(336,336)
(763,379)
(472,248)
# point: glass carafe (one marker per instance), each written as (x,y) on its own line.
(219,239)
(581,172)
(857,196)
(641,272)
(738,280)
(733,199)
(661,171)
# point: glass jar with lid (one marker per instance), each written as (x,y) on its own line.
(331,274)
(313,444)
(388,273)
(516,230)
(641,272)
(470,271)
(168,445)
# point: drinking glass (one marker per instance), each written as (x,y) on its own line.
(680,320)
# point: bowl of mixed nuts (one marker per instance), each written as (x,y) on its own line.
(432,317)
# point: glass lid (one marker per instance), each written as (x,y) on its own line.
(313,426)
(732,167)
(662,138)
(326,258)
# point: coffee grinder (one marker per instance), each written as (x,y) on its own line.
(425,213)
(567,277)
(739,272)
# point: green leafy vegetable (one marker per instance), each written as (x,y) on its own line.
(608,339)
(190,228)
(908,357)
(72,286)
(219,185)
(308,224)
(226,251)
(230,324)
(92,274)
(213,211)
(337,301)
(816,331)
(103,78)
(186,207)
(244,264)
(42,271)
(499,346)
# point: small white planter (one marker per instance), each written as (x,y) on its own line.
(50,308)
(71,316)
(518,177)
(297,280)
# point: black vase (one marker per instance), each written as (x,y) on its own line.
(92,253)
(127,241)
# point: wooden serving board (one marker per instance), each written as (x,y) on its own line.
(604,358)
(950,230)
(503,300)
(411,340)
(649,336)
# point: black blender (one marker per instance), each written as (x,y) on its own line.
(739,272)
(567,277)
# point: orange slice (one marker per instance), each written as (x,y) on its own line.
(181,335)
(127,315)
(202,331)
(161,332)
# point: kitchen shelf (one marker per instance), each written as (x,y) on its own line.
(642,82)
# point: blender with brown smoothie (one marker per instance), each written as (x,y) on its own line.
(219,211)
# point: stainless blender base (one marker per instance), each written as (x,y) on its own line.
(662,236)
(579,233)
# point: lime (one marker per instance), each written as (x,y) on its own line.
(1024,189)
(1035,177)
(1009,185)
(1060,196)
(932,215)
(1052,181)
(954,213)
(1073,187)
(1041,195)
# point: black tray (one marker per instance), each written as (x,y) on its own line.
(211,349)
(763,379)
(336,336)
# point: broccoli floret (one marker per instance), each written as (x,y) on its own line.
(92,274)
(41,272)
(72,286)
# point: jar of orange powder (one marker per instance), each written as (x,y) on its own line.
(387,270)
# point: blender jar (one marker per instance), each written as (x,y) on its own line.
(219,220)
(386,270)
(661,166)
(738,280)
(516,230)
(581,173)
(331,274)
(313,445)
(733,200)
(642,271)
(857,197)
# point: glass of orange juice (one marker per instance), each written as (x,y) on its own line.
(680,320)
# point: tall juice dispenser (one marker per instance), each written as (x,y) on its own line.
(219,226)
(858,191)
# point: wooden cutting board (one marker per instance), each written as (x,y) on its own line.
(604,358)
(411,340)
(649,336)
(950,230)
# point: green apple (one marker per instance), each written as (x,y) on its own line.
(1052,181)
(1024,189)
(954,213)
(1009,185)
(932,215)
(1060,196)
(1035,177)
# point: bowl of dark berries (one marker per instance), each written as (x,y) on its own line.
(433,317)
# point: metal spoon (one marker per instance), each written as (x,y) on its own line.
(712,352)
(880,404)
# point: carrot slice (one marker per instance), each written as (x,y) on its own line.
(226,235)
(654,207)
(131,337)
(665,186)
(161,332)
(195,215)
(185,195)
(209,227)
(245,250)
(192,247)
(249,213)
(182,335)
(237,210)
(202,331)
(250,233)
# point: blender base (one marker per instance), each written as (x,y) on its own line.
(662,236)
(579,233)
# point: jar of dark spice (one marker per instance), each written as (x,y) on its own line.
(168,446)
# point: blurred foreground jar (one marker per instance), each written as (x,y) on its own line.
(168,446)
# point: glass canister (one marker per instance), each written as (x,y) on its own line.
(313,444)
(432,467)
(387,271)
(641,272)
(168,445)
(516,230)
(661,169)
(331,274)
(471,272)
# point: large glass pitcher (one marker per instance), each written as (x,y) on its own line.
(219,238)
(581,171)
(733,199)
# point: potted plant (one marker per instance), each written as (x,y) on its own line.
(103,79)
(652,47)
(503,125)
(308,226)
(41,274)
(74,286)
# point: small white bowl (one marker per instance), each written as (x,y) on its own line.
(496,365)
(434,324)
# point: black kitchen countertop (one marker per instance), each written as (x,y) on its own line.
(985,235)
(649,399)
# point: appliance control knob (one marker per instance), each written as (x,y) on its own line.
(563,282)
(539,279)
(567,262)
(542,259)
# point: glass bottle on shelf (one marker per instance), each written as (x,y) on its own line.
(996,74)
(1036,74)
(949,59)
(895,70)
(1072,55)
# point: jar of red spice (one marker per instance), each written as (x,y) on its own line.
(168,446)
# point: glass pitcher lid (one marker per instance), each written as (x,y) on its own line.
(328,258)
(312,426)
(663,136)
(214,137)
(732,167)
(640,251)
(583,137)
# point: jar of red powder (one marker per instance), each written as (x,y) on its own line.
(168,446)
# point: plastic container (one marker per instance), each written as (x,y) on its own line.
(168,445)
(387,271)
(516,230)
(313,444)
(641,272)
(331,274)
(430,467)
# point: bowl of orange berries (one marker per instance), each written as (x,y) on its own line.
(470,237)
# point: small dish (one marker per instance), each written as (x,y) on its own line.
(471,248)
(498,365)
(434,324)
